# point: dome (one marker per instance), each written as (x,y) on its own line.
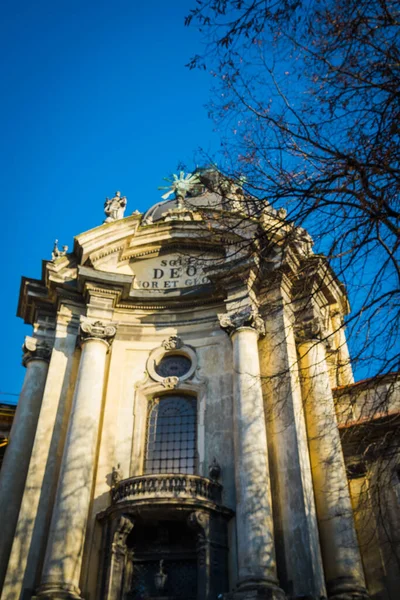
(214,191)
(202,201)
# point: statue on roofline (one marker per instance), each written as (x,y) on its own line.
(114,207)
(57,253)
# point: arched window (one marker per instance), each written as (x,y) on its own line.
(171,435)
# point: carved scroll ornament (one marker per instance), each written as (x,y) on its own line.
(124,527)
(34,349)
(200,522)
(172,343)
(97,331)
(170,382)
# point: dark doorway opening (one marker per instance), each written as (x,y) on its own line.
(162,561)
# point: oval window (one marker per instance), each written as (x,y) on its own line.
(173,365)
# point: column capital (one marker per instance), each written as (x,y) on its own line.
(248,317)
(309,331)
(96,330)
(35,349)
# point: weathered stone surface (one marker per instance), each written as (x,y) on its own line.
(170,287)
(61,570)
(16,462)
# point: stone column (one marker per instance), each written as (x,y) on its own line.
(62,566)
(16,461)
(31,531)
(256,552)
(339,545)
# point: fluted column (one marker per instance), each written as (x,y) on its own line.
(256,552)
(340,552)
(16,461)
(61,571)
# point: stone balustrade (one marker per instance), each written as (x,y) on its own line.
(172,486)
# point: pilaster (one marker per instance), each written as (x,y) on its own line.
(344,372)
(339,545)
(299,559)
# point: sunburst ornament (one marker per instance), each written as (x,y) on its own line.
(181,185)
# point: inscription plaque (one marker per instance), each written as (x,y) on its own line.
(170,272)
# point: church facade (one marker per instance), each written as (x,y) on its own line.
(183,431)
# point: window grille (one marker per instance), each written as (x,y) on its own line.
(173,365)
(171,435)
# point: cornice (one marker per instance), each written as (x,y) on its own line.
(173,246)
(33,293)
(91,280)
(177,302)
(96,256)
(112,233)
(316,270)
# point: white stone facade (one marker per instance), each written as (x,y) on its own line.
(254,341)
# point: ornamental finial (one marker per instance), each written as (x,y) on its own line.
(180,186)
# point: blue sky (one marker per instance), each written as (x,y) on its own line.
(95,97)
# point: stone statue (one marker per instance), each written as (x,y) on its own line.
(214,470)
(114,208)
(116,476)
(303,241)
(56,252)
